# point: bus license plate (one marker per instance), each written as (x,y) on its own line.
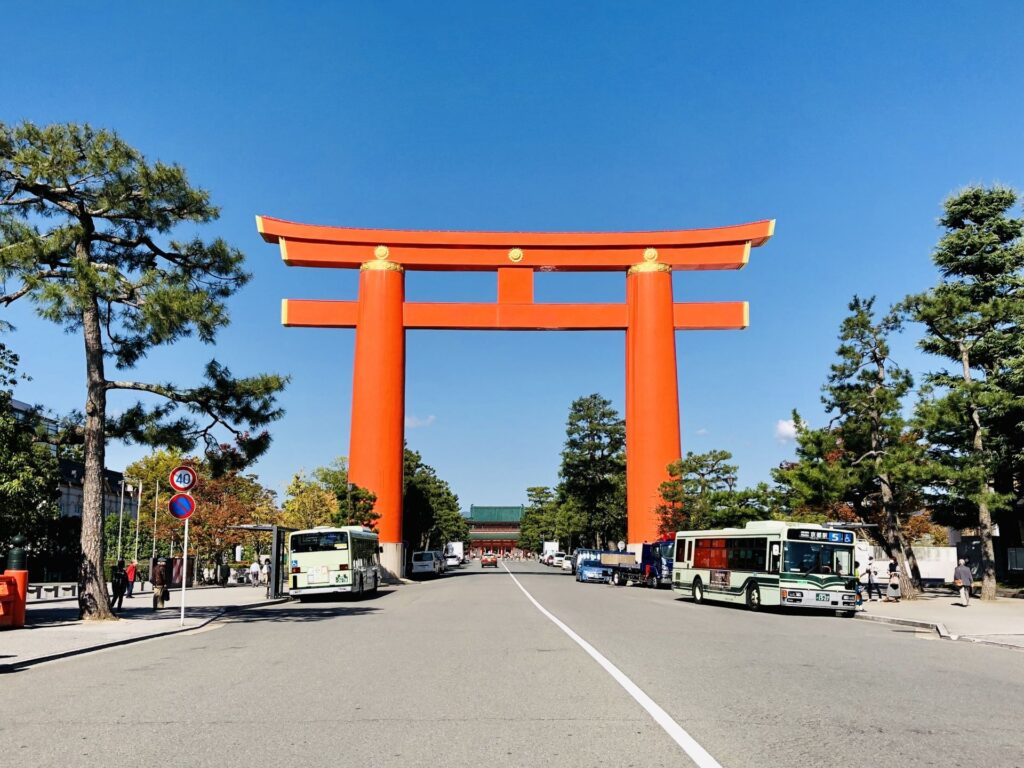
(822,597)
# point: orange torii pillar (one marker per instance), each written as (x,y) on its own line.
(376,442)
(652,399)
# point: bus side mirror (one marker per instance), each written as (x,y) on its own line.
(380,550)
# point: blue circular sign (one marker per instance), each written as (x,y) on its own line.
(182,506)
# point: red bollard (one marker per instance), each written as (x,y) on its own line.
(21,597)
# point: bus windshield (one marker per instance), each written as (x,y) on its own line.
(319,541)
(808,557)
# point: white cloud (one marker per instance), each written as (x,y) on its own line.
(785,430)
(702,431)
(415,422)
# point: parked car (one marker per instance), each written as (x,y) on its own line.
(567,565)
(452,560)
(440,559)
(557,559)
(489,559)
(426,564)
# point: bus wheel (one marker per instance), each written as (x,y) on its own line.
(376,583)
(698,591)
(652,581)
(754,597)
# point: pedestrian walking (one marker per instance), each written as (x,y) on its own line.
(254,572)
(119,585)
(892,594)
(132,571)
(964,580)
(160,591)
(860,587)
(871,580)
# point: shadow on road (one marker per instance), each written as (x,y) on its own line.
(295,613)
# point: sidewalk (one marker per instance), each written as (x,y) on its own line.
(999,622)
(52,629)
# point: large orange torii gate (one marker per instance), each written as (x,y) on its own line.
(381,315)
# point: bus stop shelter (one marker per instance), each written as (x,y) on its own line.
(278,554)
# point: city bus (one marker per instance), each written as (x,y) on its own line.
(326,560)
(768,562)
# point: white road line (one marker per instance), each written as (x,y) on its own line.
(695,751)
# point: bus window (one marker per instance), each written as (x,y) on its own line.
(805,557)
(319,542)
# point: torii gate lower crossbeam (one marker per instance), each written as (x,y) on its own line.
(381,316)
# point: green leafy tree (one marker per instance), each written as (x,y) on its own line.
(971,410)
(865,392)
(538,523)
(308,504)
(86,235)
(431,515)
(29,475)
(868,464)
(701,493)
(355,504)
(593,470)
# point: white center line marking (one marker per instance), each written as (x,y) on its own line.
(695,751)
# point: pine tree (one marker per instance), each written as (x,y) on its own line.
(593,471)
(86,235)
(974,318)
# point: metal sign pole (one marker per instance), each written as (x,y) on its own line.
(156,501)
(184,574)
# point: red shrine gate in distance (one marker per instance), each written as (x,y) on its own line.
(381,315)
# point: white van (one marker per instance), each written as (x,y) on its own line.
(426,564)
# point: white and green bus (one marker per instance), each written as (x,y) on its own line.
(327,560)
(768,562)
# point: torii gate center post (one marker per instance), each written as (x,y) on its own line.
(381,316)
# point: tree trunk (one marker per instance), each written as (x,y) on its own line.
(93,600)
(988,550)
(896,544)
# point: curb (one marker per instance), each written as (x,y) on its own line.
(16,666)
(940,629)
(996,643)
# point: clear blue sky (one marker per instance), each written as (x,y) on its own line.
(848,123)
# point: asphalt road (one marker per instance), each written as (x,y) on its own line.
(466,671)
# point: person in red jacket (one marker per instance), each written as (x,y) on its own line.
(131,570)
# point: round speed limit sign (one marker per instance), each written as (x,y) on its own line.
(183,478)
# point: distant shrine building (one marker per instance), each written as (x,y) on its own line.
(494,529)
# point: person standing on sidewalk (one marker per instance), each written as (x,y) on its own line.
(159,584)
(892,594)
(269,572)
(963,579)
(131,571)
(254,572)
(119,585)
(871,576)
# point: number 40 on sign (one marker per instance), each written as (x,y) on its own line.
(183,478)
